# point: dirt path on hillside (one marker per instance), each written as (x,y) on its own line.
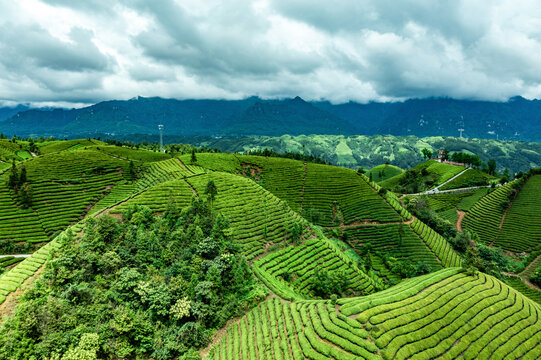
(107,210)
(530,265)
(184,166)
(7,308)
(501,223)
(526,281)
(458,224)
(369,223)
(192,188)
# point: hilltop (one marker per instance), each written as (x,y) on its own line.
(161,255)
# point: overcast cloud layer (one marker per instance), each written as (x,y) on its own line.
(67,52)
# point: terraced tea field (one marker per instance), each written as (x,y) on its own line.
(326,195)
(386,238)
(433,173)
(383,172)
(521,229)
(16,224)
(300,263)
(441,315)
(447,313)
(257,216)
(485,216)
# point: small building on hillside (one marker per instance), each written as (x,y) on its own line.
(441,157)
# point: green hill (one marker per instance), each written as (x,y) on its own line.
(470,178)
(383,172)
(311,261)
(446,314)
(422,177)
(521,228)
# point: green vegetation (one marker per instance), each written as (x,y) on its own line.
(470,178)
(298,267)
(62,145)
(422,177)
(370,151)
(384,172)
(195,242)
(66,184)
(445,314)
(382,247)
(519,285)
(485,216)
(142,287)
(521,229)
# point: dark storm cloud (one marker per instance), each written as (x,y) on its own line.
(338,50)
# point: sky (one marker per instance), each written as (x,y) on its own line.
(73,53)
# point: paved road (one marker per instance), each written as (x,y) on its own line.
(436,190)
(16,255)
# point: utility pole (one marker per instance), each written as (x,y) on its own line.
(160,127)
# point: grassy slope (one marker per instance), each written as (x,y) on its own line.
(521,229)
(446,314)
(485,216)
(384,172)
(472,177)
(438,172)
(261,222)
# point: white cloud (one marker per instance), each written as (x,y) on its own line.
(339,50)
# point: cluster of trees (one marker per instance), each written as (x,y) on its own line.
(419,207)
(536,277)
(324,283)
(464,158)
(479,257)
(405,268)
(144,287)
(18,182)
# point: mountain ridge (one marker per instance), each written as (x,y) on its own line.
(515,119)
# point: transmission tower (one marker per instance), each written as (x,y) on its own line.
(461,131)
(160,127)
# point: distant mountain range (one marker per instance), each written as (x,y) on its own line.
(516,119)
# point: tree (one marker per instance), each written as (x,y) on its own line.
(473,261)
(401,233)
(25,195)
(131,170)
(13,177)
(445,155)
(427,154)
(194,158)
(22,176)
(491,167)
(536,276)
(505,176)
(211,191)
(295,232)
